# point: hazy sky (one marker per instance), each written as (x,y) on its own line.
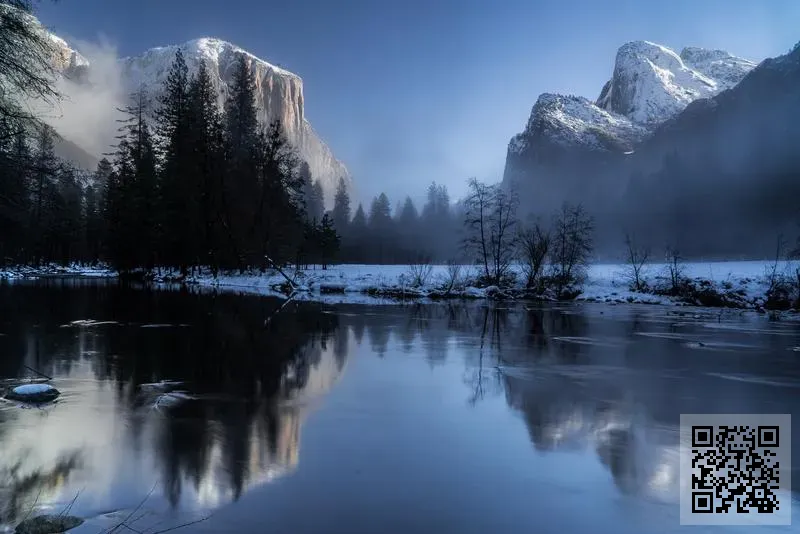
(411,91)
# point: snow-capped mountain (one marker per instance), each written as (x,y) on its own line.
(279,93)
(650,85)
(573,121)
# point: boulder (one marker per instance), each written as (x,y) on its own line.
(33,393)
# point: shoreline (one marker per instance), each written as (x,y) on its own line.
(731,285)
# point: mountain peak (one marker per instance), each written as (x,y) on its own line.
(652,83)
(569,120)
(211,48)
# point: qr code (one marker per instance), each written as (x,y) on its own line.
(735,469)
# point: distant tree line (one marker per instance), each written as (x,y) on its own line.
(380,234)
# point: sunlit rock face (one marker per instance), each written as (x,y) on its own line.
(652,83)
(279,96)
(279,93)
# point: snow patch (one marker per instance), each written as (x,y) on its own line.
(33,389)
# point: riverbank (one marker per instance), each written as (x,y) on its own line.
(726,284)
(22,272)
(742,285)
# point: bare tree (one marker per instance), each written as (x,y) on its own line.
(636,258)
(478,207)
(27,65)
(572,244)
(773,275)
(674,268)
(534,244)
(452,279)
(490,221)
(420,270)
(795,255)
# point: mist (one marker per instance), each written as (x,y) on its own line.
(88,112)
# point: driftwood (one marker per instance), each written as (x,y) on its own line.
(37,372)
(290,281)
(292,293)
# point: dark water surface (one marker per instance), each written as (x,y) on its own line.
(382,419)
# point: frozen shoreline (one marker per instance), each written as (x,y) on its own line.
(743,283)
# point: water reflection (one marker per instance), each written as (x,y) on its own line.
(583,378)
(598,383)
(250,389)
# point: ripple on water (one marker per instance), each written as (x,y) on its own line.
(722,346)
(591,341)
(775,381)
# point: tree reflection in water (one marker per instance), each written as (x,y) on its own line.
(241,429)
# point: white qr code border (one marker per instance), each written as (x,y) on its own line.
(714,495)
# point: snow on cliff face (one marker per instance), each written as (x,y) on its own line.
(574,120)
(652,83)
(66,59)
(279,95)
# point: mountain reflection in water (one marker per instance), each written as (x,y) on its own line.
(598,389)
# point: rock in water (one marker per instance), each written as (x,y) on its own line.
(48,524)
(34,393)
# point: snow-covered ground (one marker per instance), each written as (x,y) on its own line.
(604,282)
(24,271)
(746,280)
(611,282)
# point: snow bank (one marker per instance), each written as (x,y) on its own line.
(746,280)
(74,269)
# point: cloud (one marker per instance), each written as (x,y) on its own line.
(87,115)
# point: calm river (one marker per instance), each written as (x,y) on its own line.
(437,418)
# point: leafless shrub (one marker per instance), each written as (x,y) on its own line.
(637,256)
(419,271)
(773,274)
(571,246)
(783,284)
(452,279)
(534,244)
(675,268)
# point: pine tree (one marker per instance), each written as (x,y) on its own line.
(380,214)
(241,123)
(314,197)
(132,192)
(178,207)
(15,163)
(244,147)
(408,231)
(44,169)
(381,229)
(67,218)
(341,208)
(329,241)
(355,242)
(93,211)
(205,127)
(280,212)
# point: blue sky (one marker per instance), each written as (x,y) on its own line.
(411,91)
